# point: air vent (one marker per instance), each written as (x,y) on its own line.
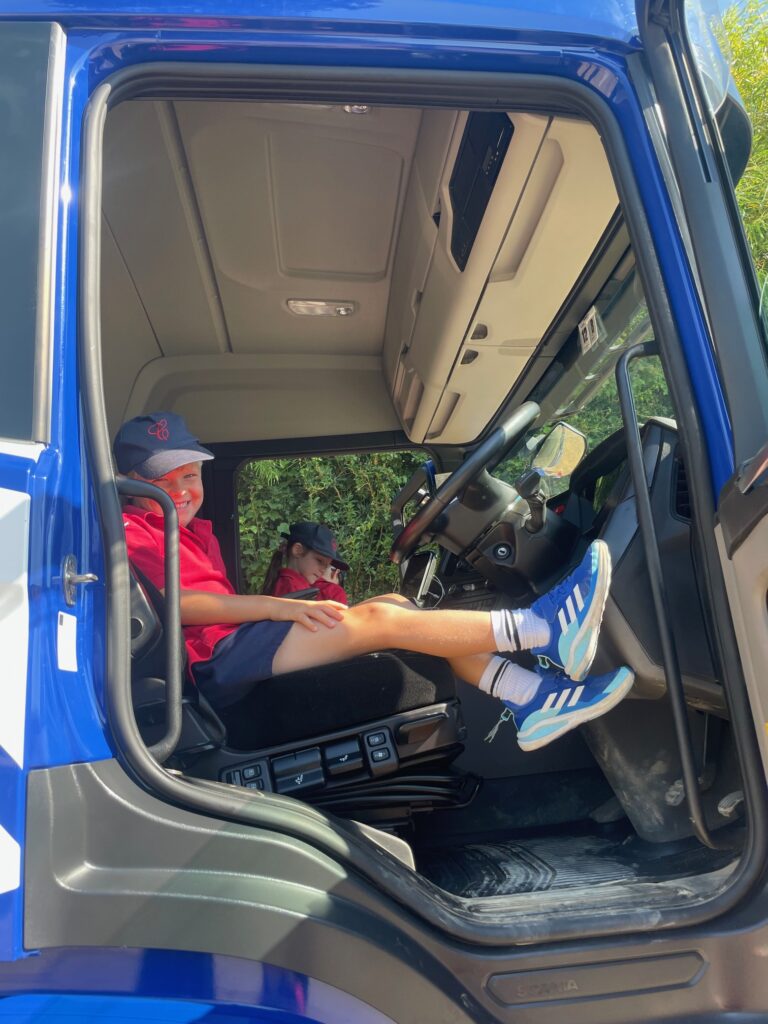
(682,498)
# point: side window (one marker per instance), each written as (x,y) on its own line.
(27,57)
(730,41)
(351,494)
(586,397)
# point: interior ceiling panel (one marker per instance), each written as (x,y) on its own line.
(155,229)
(131,342)
(299,203)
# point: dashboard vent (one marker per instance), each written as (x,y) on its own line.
(682,497)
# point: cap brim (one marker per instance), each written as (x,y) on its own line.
(160,463)
(338,564)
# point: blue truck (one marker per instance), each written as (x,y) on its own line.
(503,235)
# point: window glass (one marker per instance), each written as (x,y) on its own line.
(351,494)
(735,36)
(583,393)
(24,53)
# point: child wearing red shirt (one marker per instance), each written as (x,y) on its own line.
(310,552)
(234,640)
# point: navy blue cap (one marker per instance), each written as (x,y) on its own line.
(318,538)
(155,444)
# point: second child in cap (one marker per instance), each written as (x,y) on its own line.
(303,561)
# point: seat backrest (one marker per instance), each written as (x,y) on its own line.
(147,642)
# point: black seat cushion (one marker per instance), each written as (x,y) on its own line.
(307,704)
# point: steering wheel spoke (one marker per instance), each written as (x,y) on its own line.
(494,446)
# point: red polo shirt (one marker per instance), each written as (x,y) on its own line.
(289,580)
(201,567)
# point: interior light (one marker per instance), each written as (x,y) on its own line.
(321,307)
(357,108)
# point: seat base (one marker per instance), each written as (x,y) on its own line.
(304,705)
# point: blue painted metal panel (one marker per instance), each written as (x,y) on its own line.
(98,985)
(563,20)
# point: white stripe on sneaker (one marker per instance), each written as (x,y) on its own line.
(548,702)
(562,699)
(576,696)
(571,609)
(579,598)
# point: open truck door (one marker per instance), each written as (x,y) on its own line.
(695,97)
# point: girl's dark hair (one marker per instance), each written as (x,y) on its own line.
(273,570)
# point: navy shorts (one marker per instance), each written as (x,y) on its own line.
(240,660)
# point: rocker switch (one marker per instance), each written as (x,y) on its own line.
(298,772)
(342,757)
(381,752)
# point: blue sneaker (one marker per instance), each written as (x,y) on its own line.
(561,704)
(574,610)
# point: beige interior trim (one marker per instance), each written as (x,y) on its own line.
(250,397)
(552,201)
(217,213)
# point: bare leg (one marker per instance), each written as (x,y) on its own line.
(379,624)
(469,668)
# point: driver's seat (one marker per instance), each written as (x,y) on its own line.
(340,735)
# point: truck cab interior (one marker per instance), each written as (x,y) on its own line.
(308,278)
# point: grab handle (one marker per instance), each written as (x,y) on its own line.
(658,590)
(163,749)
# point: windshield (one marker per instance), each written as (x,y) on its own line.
(580,386)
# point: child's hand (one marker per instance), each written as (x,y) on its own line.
(311,614)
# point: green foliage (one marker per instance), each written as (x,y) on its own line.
(744,40)
(602,415)
(349,493)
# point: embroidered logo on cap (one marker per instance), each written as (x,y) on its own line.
(159,430)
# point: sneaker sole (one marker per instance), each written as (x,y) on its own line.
(580,717)
(580,661)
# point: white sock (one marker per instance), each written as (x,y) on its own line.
(518,629)
(507,681)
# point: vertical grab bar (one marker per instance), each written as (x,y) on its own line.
(658,590)
(163,749)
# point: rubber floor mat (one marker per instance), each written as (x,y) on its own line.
(562,862)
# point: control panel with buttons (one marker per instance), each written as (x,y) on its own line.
(373,753)
(251,776)
(381,751)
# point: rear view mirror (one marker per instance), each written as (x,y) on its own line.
(560,452)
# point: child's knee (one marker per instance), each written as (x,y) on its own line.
(379,620)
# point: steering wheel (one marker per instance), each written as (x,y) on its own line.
(502,438)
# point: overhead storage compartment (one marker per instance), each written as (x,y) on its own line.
(450,359)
